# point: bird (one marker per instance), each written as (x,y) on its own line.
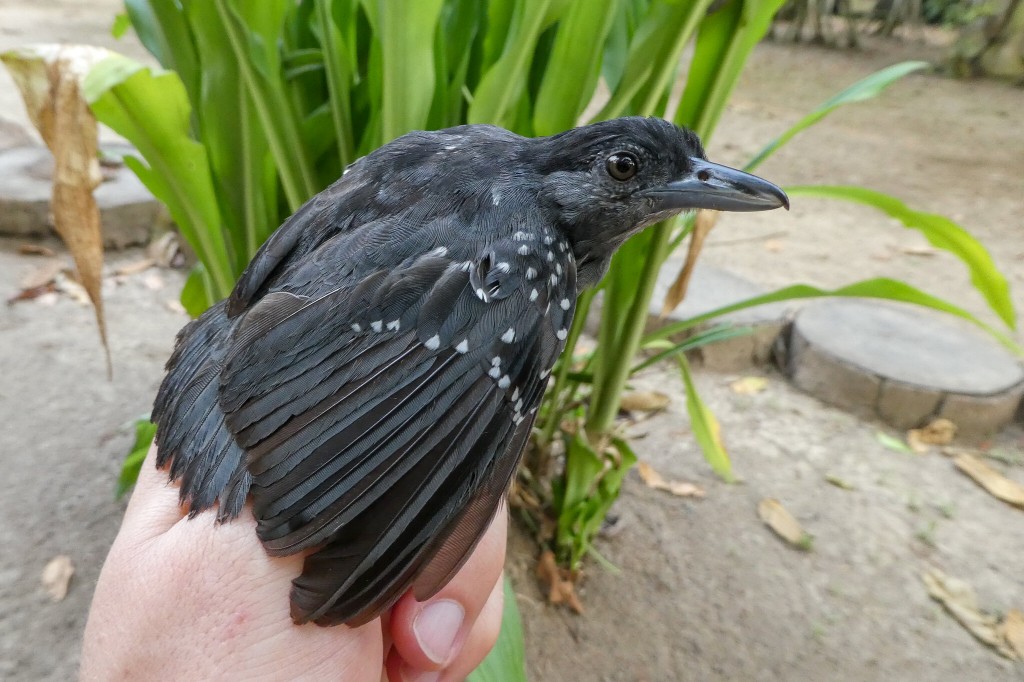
(372,380)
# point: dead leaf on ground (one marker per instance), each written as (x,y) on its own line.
(939,431)
(561,582)
(655,480)
(644,401)
(57,575)
(43,274)
(36,293)
(749,385)
(167,251)
(135,267)
(991,480)
(36,250)
(703,223)
(958,598)
(778,518)
(1012,631)
(49,78)
(839,482)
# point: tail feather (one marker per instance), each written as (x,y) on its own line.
(191,434)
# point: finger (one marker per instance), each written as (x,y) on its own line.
(429,635)
(481,638)
(154,506)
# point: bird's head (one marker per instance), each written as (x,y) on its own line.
(611,179)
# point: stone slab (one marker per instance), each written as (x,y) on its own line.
(128,211)
(905,365)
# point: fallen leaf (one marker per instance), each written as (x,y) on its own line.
(136,267)
(749,385)
(644,401)
(991,480)
(49,78)
(778,518)
(939,431)
(36,250)
(838,482)
(72,289)
(1012,631)
(561,582)
(958,598)
(57,575)
(891,442)
(702,226)
(34,293)
(43,274)
(655,480)
(166,251)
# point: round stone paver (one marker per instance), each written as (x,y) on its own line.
(904,364)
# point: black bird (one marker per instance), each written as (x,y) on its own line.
(372,379)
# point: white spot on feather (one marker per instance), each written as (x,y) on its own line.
(394,325)
(564,304)
(433,343)
(463,346)
(558,268)
(466,265)
(504,382)
(533,295)
(550,256)
(440,252)
(481,294)
(561,334)
(503,266)
(545,374)
(356,327)
(495,361)
(377,325)
(521,236)
(495,372)
(524,250)
(515,395)
(509,336)
(548,239)
(495,197)
(554,278)
(530,273)
(519,405)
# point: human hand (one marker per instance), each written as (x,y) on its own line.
(194,600)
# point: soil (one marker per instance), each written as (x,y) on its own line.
(704,591)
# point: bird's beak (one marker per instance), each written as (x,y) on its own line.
(709,185)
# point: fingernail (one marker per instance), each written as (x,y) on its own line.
(410,675)
(436,628)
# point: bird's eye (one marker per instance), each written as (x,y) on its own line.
(622,165)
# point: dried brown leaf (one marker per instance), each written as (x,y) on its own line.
(135,267)
(959,600)
(36,250)
(56,576)
(561,583)
(778,518)
(749,385)
(43,274)
(991,480)
(702,226)
(655,480)
(34,293)
(49,78)
(644,401)
(1012,631)
(940,431)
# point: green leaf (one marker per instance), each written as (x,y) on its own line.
(569,82)
(407,30)
(507,660)
(862,90)
(121,25)
(163,30)
(892,443)
(195,295)
(705,426)
(941,232)
(151,109)
(880,288)
(339,79)
(145,431)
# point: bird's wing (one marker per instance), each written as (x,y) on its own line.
(374,414)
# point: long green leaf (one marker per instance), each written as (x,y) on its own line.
(862,90)
(145,431)
(880,288)
(407,30)
(575,59)
(507,660)
(339,79)
(705,426)
(163,29)
(152,111)
(941,232)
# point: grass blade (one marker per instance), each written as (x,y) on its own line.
(862,90)
(407,30)
(507,660)
(705,426)
(941,232)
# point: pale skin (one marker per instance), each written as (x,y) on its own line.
(182,599)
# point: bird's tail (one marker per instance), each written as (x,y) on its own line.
(191,433)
